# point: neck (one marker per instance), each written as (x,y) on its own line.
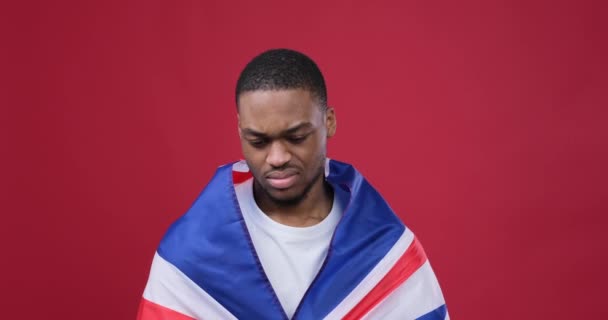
(310,210)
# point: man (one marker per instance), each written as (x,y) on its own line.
(288,233)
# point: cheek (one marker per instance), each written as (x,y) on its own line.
(311,152)
(255,158)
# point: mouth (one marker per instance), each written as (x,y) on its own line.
(282,180)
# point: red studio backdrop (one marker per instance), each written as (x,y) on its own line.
(481,122)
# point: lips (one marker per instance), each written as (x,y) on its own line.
(282,179)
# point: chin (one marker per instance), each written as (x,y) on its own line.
(286,202)
(285,197)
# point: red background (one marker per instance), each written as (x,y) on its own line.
(482,123)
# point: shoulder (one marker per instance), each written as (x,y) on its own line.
(213,209)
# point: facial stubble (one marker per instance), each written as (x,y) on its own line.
(297,199)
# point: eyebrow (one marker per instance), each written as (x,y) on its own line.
(291,130)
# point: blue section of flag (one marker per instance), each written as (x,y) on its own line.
(211,246)
(366,232)
(437,314)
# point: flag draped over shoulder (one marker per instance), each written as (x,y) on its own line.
(206,266)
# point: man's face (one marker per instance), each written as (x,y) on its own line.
(283,136)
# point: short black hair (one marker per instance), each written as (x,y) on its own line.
(278,69)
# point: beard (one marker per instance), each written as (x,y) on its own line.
(295,199)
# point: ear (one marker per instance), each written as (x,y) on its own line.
(238,123)
(330,122)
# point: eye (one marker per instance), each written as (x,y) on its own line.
(258,143)
(296,139)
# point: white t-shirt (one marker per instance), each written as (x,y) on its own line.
(291,256)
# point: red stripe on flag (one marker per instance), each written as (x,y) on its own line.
(238,177)
(411,260)
(149,310)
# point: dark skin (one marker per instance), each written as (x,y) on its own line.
(284,137)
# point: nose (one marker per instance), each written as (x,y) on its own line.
(278,155)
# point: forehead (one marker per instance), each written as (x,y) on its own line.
(275,110)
